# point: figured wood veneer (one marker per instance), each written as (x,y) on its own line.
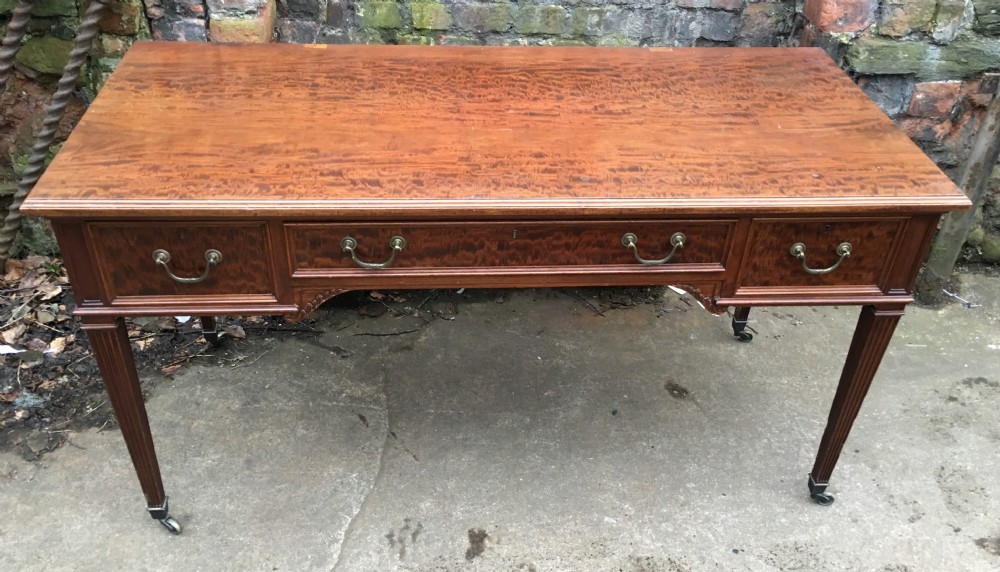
(508,244)
(769,263)
(125,256)
(406,132)
(501,167)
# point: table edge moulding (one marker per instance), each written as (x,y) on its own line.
(212,180)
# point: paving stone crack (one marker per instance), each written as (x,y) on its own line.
(352,523)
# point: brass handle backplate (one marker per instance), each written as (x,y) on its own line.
(396,243)
(798,250)
(630,240)
(212,257)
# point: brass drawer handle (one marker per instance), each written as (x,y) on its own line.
(630,240)
(212,256)
(798,250)
(397,243)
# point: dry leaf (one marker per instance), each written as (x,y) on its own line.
(14,270)
(11,335)
(44,317)
(376,295)
(57,346)
(32,279)
(156,324)
(20,312)
(35,261)
(37,345)
(49,290)
(170,369)
(143,343)
(235,332)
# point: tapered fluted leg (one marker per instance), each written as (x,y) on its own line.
(871,338)
(110,346)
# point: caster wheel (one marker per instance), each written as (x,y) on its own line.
(171,524)
(822,499)
(744,336)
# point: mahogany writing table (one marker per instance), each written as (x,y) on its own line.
(211,179)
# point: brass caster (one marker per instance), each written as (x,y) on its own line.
(171,524)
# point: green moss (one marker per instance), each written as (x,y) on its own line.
(484,17)
(540,20)
(45,8)
(34,237)
(987,17)
(45,55)
(571,43)
(461,41)
(380,15)
(962,58)
(990,248)
(7,186)
(975,236)
(878,56)
(592,21)
(615,41)
(901,19)
(414,40)
(430,16)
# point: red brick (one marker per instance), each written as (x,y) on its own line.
(972,92)
(256,29)
(934,99)
(807,38)
(923,129)
(122,18)
(840,15)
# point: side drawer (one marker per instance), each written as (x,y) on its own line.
(315,248)
(769,262)
(125,256)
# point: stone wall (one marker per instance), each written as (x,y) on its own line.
(38,65)
(921,61)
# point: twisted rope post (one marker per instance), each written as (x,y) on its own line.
(50,125)
(12,40)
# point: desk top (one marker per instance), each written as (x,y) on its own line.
(196,129)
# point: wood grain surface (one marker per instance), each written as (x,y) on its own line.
(502,167)
(769,262)
(480,245)
(125,258)
(394,131)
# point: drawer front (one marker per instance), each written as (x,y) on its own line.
(769,262)
(315,248)
(126,258)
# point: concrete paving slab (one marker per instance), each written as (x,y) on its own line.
(534,434)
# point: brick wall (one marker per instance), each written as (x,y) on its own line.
(921,61)
(567,23)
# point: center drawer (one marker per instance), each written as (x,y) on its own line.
(317,248)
